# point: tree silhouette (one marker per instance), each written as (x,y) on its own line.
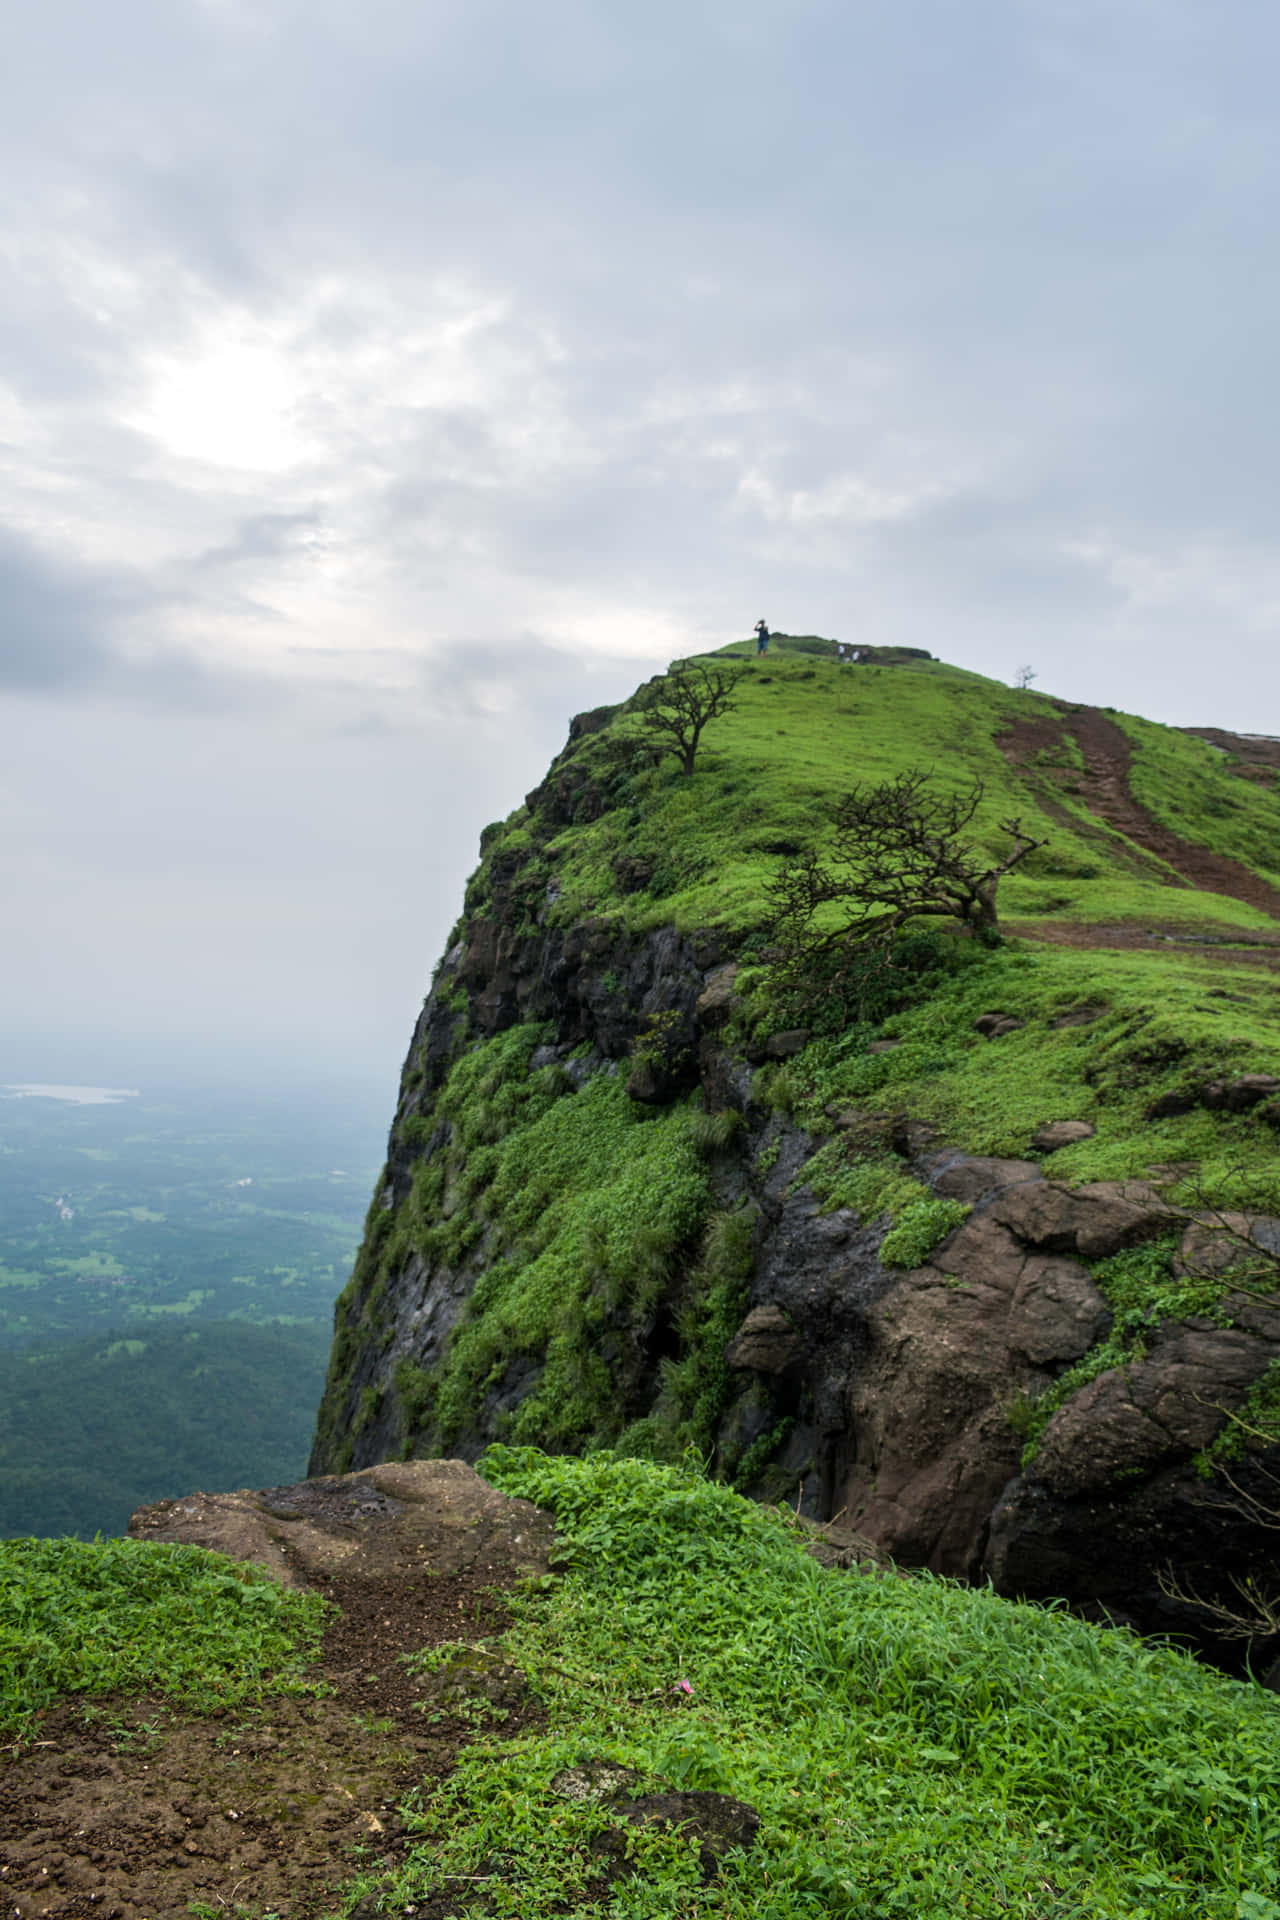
(899,855)
(689,695)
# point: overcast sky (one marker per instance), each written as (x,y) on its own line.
(381,381)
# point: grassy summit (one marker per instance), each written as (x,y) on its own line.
(806,728)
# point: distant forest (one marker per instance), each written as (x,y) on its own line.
(168,1266)
(91,1429)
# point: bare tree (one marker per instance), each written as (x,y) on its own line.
(900,854)
(1248,1609)
(1238,1249)
(1024,677)
(690,695)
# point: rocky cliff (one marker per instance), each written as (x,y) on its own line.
(986,1263)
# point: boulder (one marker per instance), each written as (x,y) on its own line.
(435,1514)
(1093,1220)
(764,1343)
(1057,1312)
(783,1046)
(1238,1095)
(1061,1133)
(1132,1418)
(718,996)
(970,1178)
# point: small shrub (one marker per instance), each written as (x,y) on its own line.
(920,1228)
(774,1087)
(713,1133)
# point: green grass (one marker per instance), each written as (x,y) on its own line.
(575,1211)
(81,1617)
(1184,782)
(1163,1023)
(912,1747)
(594,1198)
(805,729)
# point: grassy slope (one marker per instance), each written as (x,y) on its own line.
(806,729)
(912,1748)
(94,1617)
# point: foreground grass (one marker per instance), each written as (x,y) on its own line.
(97,1617)
(912,1747)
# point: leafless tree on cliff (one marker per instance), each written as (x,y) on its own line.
(1229,1244)
(690,695)
(900,855)
(1249,1608)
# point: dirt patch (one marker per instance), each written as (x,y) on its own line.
(128,1810)
(1226,944)
(1024,740)
(1104,788)
(1108,754)
(1253,756)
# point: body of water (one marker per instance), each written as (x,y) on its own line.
(77,1096)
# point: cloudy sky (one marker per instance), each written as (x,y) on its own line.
(381,381)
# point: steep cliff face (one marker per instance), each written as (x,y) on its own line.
(990,1271)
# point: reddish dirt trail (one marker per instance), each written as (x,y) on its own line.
(1263,949)
(1105,790)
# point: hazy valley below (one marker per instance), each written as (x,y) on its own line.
(169,1257)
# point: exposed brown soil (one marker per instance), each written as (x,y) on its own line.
(1105,790)
(1107,756)
(1253,756)
(1227,944)
(129,1809)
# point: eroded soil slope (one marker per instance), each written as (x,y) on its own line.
(130,1809)
(1105,789)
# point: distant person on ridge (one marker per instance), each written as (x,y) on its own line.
(762,637)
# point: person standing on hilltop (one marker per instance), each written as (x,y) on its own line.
(762,636)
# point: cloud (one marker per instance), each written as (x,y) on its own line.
(381,386)
(58,621)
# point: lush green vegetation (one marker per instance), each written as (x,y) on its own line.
(1152,1024)
(91,1618)
(804,730)
(601,1252)
(595,1197)
(1182,782)
(92,1429)
(912,1747)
